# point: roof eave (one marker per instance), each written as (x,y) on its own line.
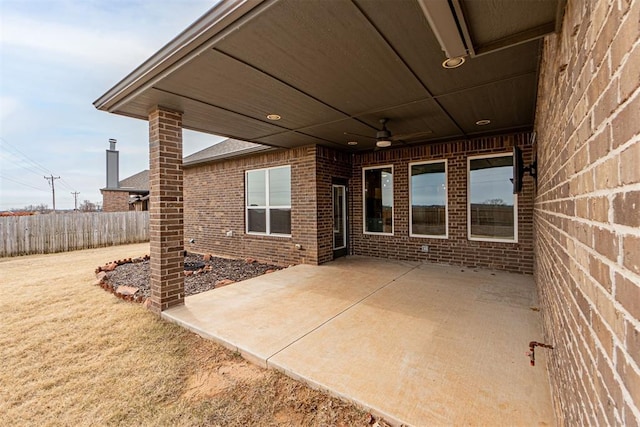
(126,190)
(219,17)
(243,153)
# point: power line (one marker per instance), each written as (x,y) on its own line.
(22,183)
(33,162)
(10,158)
(66,184)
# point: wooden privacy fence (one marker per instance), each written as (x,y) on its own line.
(42,234)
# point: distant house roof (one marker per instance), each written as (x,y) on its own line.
(137,182)
(223,150)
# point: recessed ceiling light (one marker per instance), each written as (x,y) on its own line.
(273,117)
(352,143)
(453,62)
(483,122)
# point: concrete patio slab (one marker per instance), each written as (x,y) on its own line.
(261,316)
(420,344)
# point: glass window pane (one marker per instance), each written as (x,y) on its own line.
(256,193)
(428,199)
(280,221)
(491,198)
(280,187)
(378,200)
(257,220)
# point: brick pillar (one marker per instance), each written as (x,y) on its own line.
(166,209)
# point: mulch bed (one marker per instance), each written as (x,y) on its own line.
(129,278)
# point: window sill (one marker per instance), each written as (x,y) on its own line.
(284,236)
(426,236)
(488,239)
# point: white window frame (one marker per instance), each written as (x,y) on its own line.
(364,202)
(344,216)
(446,201)
(267,207)
(515,202)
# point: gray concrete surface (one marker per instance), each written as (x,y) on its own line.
(419,344)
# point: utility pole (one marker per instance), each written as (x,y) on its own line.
(52,183)
(75,199)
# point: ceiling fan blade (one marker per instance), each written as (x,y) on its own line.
(361,136)
(410,136)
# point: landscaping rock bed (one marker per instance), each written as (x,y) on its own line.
(129,278)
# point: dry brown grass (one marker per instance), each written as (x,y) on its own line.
(72,354)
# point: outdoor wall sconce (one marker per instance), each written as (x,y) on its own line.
(519,169)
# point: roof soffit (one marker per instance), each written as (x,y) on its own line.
(333,67)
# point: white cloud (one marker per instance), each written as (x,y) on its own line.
(8,105)
(59,56)
(88,46)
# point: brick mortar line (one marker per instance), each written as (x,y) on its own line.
(611,264)
(626,394)
(341,312)
(611,154)
(607,57)
(596,69)
(627,230)
(609,296)
(626,188)
(605,123)
(579,338)
(579,360)
(590,42)
(603,15)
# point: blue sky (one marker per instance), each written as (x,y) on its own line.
(56,58)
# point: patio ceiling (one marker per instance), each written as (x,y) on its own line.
(330,67)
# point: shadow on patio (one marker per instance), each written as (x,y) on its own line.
(420,344)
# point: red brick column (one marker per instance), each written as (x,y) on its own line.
(166,209)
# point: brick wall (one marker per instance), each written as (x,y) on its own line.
(215,204)
(457,248)
(330,164)
(115,201)
(587,212)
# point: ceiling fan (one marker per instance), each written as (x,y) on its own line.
(384,138)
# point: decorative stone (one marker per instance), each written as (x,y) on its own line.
(126,290)
(224,282)
(110,267)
